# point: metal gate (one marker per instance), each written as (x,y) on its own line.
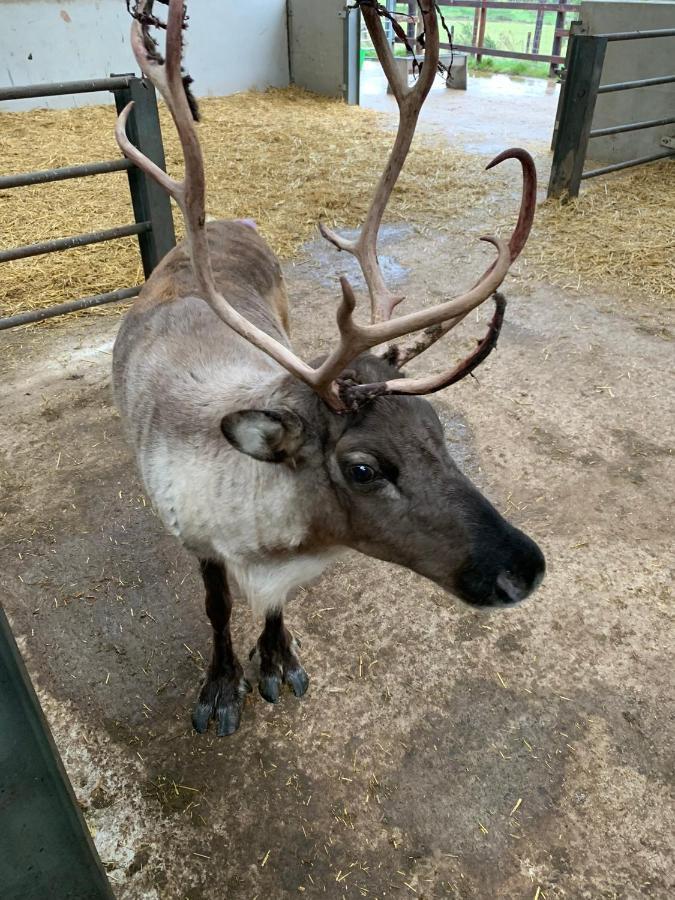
(581,87)
(45,846)
(153,223)
(323,43)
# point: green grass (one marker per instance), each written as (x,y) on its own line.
(505,30)
(506,34)
(509,66)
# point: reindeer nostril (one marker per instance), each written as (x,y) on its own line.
(487,580)
(509,589)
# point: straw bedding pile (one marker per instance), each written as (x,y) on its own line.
(285,158)
(618,235)
(288,159)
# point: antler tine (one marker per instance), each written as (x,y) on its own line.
(401,354)
(356,394)
(409,100)
(356,339)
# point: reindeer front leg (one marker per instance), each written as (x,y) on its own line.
(278,660)
(222,694)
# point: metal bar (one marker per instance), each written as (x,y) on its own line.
(585,61)
(629,85)
(150,201)
(508,54)
(60,309)
(615,167)
(634,126)
(46,847)
(638,35)
(495,4)
(26,91)
(48,175)
(78,240)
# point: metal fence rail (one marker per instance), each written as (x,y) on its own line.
(37,315)
(56,88)
(585,60)
(78,240)
(152,209)
(61,174)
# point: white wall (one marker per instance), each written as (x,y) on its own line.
(628,61)
(231,45)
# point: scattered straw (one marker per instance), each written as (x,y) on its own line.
(617,235)
(286,158)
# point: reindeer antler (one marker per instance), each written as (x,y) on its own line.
(364,247)
(329,380)
(189,194)
(401,354)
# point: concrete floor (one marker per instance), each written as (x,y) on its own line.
(439,752)
(495,112)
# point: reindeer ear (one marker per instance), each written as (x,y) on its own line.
(268,435)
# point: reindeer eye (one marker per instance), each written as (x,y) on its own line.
(362,474)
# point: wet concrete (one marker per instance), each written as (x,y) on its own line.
(439,752)
(495,112)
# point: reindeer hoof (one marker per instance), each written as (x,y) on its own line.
(270,687)
(295,677)
(298,680)
(220,699)
(278,667)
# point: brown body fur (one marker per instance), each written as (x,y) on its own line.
(241,261)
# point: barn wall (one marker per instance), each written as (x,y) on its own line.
(626,61)
(319,51)
(232,46)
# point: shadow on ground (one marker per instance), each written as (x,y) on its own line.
(439,752)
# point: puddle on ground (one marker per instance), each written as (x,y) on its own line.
(328,263)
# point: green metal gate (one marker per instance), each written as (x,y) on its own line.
(153,224)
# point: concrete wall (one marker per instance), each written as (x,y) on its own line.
(231,46)
(626,61)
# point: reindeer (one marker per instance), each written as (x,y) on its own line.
(267,467)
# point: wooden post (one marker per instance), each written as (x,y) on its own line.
(557,41)
(410,28)
(481,30)
(538,25)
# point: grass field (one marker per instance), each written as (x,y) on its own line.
(505,30)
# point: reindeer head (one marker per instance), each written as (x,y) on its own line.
(381,481)
(369,452)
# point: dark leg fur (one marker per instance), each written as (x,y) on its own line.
(222,694)
(279,663)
